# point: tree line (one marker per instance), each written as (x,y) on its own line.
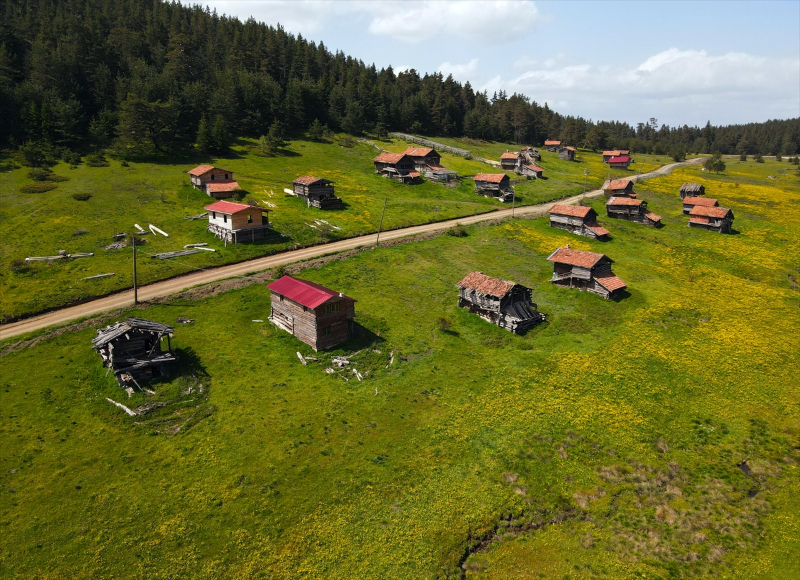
(145,76)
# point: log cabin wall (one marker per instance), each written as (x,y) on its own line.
(319,328)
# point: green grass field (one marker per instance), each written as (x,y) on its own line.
(602,444)
(40,224)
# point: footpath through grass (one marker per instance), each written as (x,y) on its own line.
(603,444)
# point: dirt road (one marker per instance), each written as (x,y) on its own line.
(174,285)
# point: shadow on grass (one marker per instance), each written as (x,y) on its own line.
(620,296)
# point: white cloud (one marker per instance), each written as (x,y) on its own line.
(525,62)
(462,72)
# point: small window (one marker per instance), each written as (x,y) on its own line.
(212,177)
(281,297)
(213,215)
(326,330)
(226,176)
(225,218)
(249,218)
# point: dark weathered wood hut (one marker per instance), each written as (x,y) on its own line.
(692,190)
(319,316)
(620,162)
(578,220)
(717,219)
(690,202)
(588,271)
(618,188)
(510,160)
(552,146)
(422,157)
(531,171)
(237,222)
(504,303)
(495,185)
(567,153)
(635,210)
(317,192)
(133,350)
(394,165)
(214,181)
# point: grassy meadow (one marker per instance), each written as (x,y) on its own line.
(605,443)
(40,224)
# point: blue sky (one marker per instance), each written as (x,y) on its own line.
(680,62)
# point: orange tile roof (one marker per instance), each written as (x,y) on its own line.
(483,284)
(413,174)
(549,142)
(490,177)
(567,255)
(533,167)
(609,281)
(308,180)
(231,207)
(652,216)
(597,228)
(418,151)
(711,212)
(221,186)
(699,220)
(624,201)
(618,184)
(389,157)
(510,155)
(705,201)
(570,210)
(613,153)
(203,169)
(570,148)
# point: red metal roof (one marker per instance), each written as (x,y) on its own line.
(389,158)
(231,207)
(618,184)
(620,159)
(486,284)
(218,186)
(705,201)
(203,169)
(510,155)
(549,142)
(624,201)
(652,216)
(490,177)
(597,228)
(418,151)
(304,292)
(533,167)
(711,212)
(308,180)
(567,255)
(570,210)
(609,281)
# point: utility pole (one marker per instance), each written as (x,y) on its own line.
(585,176)
(380,227)
(513,199)
(135,289)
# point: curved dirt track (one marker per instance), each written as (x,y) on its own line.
(174,285)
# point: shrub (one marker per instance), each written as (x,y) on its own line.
(19,265)
(743,157)
(40,174)
(794,160)
(279,272)
(443,323)
(757,158)
(96,160)
(457,231)
(72,158)
(123,163)
(778,157)
(40,187)
(678,154)
(345,141)
(715,163)
(82,196)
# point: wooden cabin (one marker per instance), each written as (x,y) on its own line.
(692,190)
(588,271)
(614,153)
(531,171)
(620,162)
(619,188)
(552,146)
(717,219)
(635,210)
(510,160)
(213,181)
(578,220)
(134,350)
(504,303)
(567,153)
(396,166)
(237,222)
(495,185)
(690,202)
(316,192)
(421,157)
(319,316)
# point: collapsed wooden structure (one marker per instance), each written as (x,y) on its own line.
(398,166)
(690,202)
(132,349)
(692,190)
(716,219)
(237,222)
(504,303)
(552,145)
(635,210)
(578,220)
(316,192)
(496,185)
(567,153)
(214,181)
(618,187)
(319,316)
(588,271)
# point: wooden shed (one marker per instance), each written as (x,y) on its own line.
(495,185)
(531,171)
(614,153)
(618,188)
(213,181)
(319,316)
(690,202)
(588,271)
(717,219)
(504,303)
(578,220)
(692,190)
(510,160)
(620,162)
(422,157)
(552,146)
(134,350)
(635,210)
(237,222)
(316,192)
(567,153)
(394,165)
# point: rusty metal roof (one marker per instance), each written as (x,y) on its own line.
(303,292)
(624,201)
(705,201)
(567,255)
(491,177)
(483,284)
(570,210)
(711,212)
